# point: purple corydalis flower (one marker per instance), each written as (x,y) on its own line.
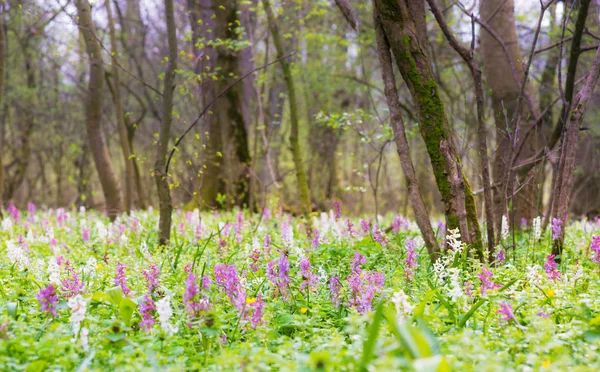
(365,224)
(334,288)
(226,276)
(147,306)
(379,236)
(308,277)
(191,298)
(595,247)
(72,285)
(85,234)
(399,223)
(357,261)
(13,212)
(523,223)
(500,256)
(364,287)
(121,279)
(278,273)
(152,278)
(556,228)
(315,238)
(254,258)
(256,308)
(507,311)
(411,259)
(551,268)
(338,209)
(48,299)
(487,284)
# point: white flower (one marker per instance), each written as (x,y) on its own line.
(53,271)
(456,292)
(533,275)
(84,338)
(163,307)
(287,235)
(537,228)
(90,267)
(454,240)
(101,230)
(77,305)
(403,307)
(439,271)
(7,224)
(16,254)
(505,231)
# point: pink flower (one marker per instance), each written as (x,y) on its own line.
(309,279)
(48,300)
(152,278)
(595,247)
(147,306)
(120,279)
(486,281)
(551,268)
(338,209)
(506,310)
(334,288)
(411,259)
(556,228)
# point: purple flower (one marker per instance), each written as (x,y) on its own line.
(399,223)
(121,279)
(523,223)
(357,261)
(507,311)
(254,257)
(338,209)
(411,259)
(379,236)
(468,288)
(256,309)
(595,247)
(365,224)
(556,228)
(226,276)
(334,287)
(308,277)
(147,306)
(13,212)
(85,234)
(500,256)
(551,268)
(152,278)
(48,299)
(315,238)
(364,287)
(191,299)
(278,274)
(486,280)
(71,286)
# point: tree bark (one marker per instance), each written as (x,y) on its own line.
(301,178)
(564,182)
(2,64)
(403,23)
(97,142)
(412,184)
(119,112)
(162,182)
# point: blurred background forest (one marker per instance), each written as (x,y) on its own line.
(239,153)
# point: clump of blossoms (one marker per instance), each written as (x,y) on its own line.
(454,241)
(551,268)
(556,228)
(485,276)
(254,311)
(403,306)
(163,308)
(399,223)
(147,306)
(507,312)
(334,287)
(152,275)
(505,233)
(379,236)
(309,279)
(121,279)
(595,247)
(48,299)
(455,292)
(71,286)
(364,285)
(192,299)
(411,259)
(537,228)
(278,273)
(78,308)
(226,277)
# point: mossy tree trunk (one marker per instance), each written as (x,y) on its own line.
(403,24)
(294,135)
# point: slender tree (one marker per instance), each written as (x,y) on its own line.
(162,182)
(97,142)
(295,132)
(119,112)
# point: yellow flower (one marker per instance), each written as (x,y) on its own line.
(303,310)
(595,321)
(546,364)
(250,301)
(550,293)
(99,267)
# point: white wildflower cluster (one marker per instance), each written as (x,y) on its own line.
(403,306)
(163,307)
(287,235)
(439,270)
(455,291)
(534,277)
(505,233)
(78,308)
(7,225)
(537,228)
(89,269)
(101,230)
(16,253)
(53,271)
(454,241)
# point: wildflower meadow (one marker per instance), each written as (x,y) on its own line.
(264,292)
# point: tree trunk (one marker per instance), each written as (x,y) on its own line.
(2,61)
(303,189)
(403,23)
(412,184)
(564,182)
(119,112)
(162,181)
(500,71)
(97,142)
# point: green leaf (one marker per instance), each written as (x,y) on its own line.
(371,340)
(12,309)
(116,295)
(126,309)
(36,366)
